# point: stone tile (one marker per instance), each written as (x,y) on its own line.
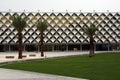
(9,74)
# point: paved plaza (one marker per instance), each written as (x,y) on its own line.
(34,55)
(6,57)
(8,74)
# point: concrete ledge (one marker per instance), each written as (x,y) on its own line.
(32,55)
(24,56)
(9,57)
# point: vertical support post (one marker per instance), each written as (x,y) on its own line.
(24,48)
(95,47)
(38,48)
(108,47)
(119,47)
(81,47)
(53,47)
(66,47)
(9,47)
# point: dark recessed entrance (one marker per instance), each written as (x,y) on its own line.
(101,47)
(47,47)
(14,47)
(85,47)
(4,48)
(30,48)
(74,47)
(60,47)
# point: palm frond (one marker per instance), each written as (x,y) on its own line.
(19,23)
(41,25)
(90,30)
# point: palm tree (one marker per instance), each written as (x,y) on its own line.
(41,26)
(19,24)
(90,31)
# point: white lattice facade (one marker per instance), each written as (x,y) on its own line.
(66,30)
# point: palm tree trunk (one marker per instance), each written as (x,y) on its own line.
(91,47)
(20,45)
(41,45)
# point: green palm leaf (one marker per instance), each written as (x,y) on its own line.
(41,25)
(90,30)
(19,23)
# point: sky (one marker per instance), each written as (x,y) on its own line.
(60,5)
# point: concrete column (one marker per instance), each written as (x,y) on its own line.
(24,48)
(80,47)
(108,47)
(9,48)
(38,48)
(119,47)
(66,47)
(53,48)
(94,47)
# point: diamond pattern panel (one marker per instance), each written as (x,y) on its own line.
(64,27)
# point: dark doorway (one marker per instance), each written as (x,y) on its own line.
(101,47)
(14,47)
(1,48)
(47,47)
(74,47)
(58,47)
(114,47)
(4,48)
(85,47)
(30,48)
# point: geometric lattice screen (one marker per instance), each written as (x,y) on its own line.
(64,27)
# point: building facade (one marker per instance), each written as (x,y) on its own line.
(65,32)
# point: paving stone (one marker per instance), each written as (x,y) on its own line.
(9,74)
